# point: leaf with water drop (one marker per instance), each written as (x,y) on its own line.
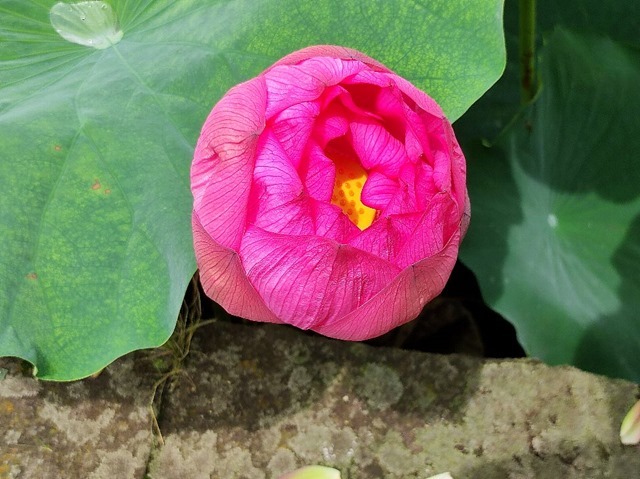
(96,145)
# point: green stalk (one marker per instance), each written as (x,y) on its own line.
(527,33)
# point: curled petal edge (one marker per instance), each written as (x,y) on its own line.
(224,158)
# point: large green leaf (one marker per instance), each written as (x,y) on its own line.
(555,236)
(96,141)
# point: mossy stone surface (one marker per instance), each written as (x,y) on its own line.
(93,429)
(257,401)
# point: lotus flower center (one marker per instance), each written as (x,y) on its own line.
(347,191)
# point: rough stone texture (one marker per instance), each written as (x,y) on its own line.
(257,401)
(92,429)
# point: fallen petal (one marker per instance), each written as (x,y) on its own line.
(630,428)
(313,472)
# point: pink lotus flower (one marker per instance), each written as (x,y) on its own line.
(329,194)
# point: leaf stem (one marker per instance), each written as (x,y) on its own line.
(527,40)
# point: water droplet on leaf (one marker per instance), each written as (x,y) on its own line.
(83,24)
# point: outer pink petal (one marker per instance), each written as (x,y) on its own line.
(377,149)
(292,84)
(221,171)
(311,280)
(399,302)
(438,223)
(458,168)
(224,280)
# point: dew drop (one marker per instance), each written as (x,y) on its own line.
(552,220)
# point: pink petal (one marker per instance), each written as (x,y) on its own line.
(441,164)
(416,135)
(377,149)
(390,106)
(277,201)
(400,301)
(378,190)
(223,161)
(292,84)
(333,51)
(466,216)
(332,223)
(224,280)
(293,128)
(273,174)
(318,173)
(424,101)
(458,168)
(307,281)
(357,111)
(292,218)
(329,128)
(424,184)
(404,200)
(386,236)
(438,223)
(369,77)
(380,98)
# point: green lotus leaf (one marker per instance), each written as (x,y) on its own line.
(555,236)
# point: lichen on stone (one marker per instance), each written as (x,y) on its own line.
(380,386)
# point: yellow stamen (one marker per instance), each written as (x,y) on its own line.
(347,190)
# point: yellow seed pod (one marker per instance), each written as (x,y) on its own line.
(347,191)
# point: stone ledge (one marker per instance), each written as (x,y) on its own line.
(256,401)
(92,429)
